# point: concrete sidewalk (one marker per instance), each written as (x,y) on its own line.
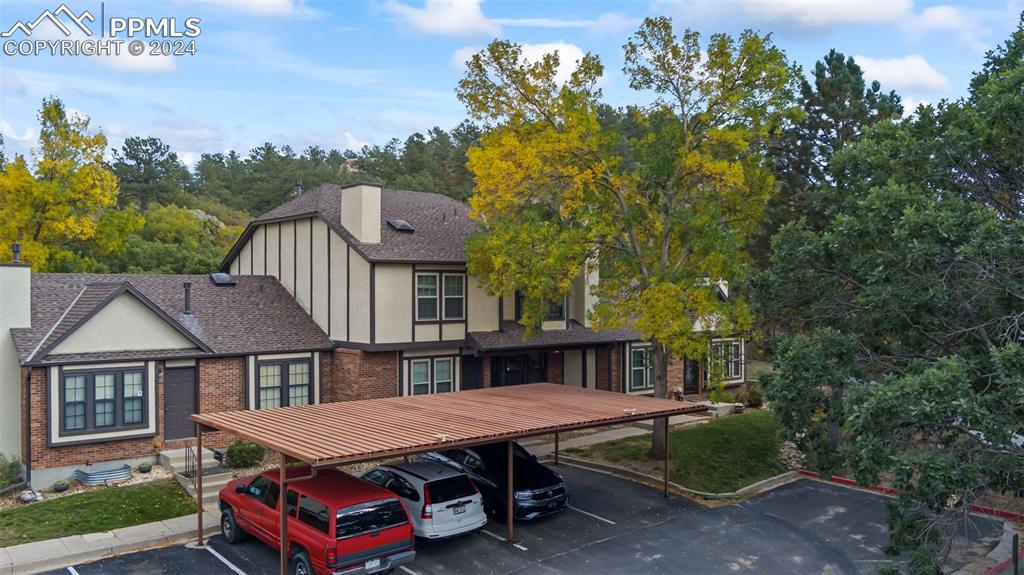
(545,445)
(55,553)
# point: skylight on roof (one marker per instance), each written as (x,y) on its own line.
(222,279)
(401,226)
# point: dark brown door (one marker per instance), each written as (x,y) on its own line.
(179,402)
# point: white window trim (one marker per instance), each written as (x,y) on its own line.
(431,361)
(730,341)
(252,374)
(430,376)
(443,297)
(437,295)
(647,370)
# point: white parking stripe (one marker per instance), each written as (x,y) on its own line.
(407,570)
(72,570)
(500,538)
(589,514)
(229,564)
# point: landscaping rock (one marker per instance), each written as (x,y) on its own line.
(790,456)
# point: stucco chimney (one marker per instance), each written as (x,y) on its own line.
(360,212)
(15,312)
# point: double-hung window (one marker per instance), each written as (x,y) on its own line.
(727,359)
(102,400)
(440,296)
(454,296)
(431,375)
(641,369)
(426,297)
(284,383)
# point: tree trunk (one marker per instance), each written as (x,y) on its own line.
(659,359)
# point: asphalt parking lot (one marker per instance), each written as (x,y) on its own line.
(616,526)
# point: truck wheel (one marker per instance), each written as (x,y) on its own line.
(301,566)
(229,527)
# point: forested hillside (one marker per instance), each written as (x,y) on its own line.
(78,206)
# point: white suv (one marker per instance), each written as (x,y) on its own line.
(441,501)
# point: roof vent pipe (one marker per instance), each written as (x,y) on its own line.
(298,187)
(188,297)
(16,253)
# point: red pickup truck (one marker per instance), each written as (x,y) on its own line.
(337,524)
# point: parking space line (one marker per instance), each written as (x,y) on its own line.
(589,514)
(500,538)
(72,570)
(223,560)
(407,570)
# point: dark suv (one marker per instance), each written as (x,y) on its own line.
(538,490)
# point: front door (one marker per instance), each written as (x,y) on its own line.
(179,402)
(691,377)
(472,372)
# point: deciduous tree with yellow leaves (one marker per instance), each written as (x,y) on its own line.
(68,202)
(662,197)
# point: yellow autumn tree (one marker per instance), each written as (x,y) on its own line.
(65,207)
(661,195)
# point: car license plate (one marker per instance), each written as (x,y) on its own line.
(459,509)
(372,564)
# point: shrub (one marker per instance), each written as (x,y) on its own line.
(754,397)
(243,454)
(10,470)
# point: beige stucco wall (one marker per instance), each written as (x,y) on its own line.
(572,364)
(15,311)
(359,300)
(482,308)
(426,331)
(302,269)
(453,331)
(590,356)
(259,253)
(360,212)
(288,256)
(273,257)
(393,303)
(124,324)
(321,242)
(245,259)
(339,288)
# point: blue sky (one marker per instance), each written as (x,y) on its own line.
(344,74)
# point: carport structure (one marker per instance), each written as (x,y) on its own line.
(333,434)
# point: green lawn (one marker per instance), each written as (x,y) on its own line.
(723,455)
(93,511)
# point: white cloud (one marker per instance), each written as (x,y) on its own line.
(17,142)
(189,134)
(445,17)
(264,8)
(964,23)
(911,73)
(607,23)
(568,56)
(353,142)
(806,17)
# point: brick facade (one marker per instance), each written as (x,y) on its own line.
(609,368)
(221,388)
(355,374)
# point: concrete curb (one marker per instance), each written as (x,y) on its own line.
(56,553)
(758,487)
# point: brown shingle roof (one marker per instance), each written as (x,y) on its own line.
(511,337)
(442,224)
(256,315)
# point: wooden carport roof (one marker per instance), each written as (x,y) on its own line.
(354,431)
